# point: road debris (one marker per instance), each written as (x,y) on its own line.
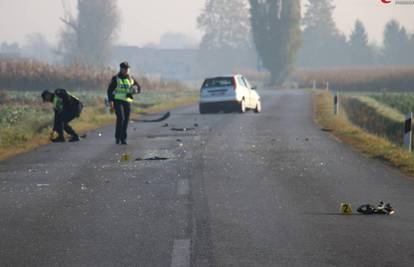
(163,118)
(182,129)
(151,159)
(43,185)
(83,187)
(380,209)
(165,125)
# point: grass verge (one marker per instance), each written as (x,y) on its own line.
(364,142)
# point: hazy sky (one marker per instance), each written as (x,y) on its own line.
(144,21)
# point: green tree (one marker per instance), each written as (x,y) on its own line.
(88,38)
(323,44)
(360,51)
(226,43)
(397,48)
(225,24)
(276,32)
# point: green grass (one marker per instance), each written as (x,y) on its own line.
(403,102)
(374,117)
(382,108)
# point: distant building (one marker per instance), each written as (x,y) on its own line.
(163,63)
(184,64)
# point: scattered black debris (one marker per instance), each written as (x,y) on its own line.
(380,209)
(83,136)
(151,159)
(179,140)
(182,129)
(165,125)
(195,124)
(163,118)
(306,139)
(326,130)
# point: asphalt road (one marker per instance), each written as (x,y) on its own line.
(237,190)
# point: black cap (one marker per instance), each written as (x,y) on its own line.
(124,65)
(45,93)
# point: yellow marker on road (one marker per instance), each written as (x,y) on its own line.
(125,157)
(346,208)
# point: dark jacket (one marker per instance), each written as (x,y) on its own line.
(67,103)
(112,86)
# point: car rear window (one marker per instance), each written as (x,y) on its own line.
(218,82)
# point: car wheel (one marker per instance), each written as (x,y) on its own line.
(258,108)
(242,107)
(202,109)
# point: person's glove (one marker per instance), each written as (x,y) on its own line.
(112,108)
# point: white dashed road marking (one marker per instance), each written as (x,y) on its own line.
(183,187)
(181,253)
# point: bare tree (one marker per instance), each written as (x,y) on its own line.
(87,39)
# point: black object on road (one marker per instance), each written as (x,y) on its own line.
(151,159)
(381,209)
(163,118)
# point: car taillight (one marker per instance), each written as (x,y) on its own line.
(234,83)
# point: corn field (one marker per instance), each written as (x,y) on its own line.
(387,79)
(30,75)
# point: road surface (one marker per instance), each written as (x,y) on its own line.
(237,190)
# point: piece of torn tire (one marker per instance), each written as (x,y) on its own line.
(182,129)
(151,159)
(163,118)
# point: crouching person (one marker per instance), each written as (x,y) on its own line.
(67,107)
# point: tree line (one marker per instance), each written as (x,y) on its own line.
(236,32)
(282,39)
(325,46)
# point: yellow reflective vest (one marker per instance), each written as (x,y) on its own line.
(123,89)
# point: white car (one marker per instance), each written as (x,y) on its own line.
(228,93)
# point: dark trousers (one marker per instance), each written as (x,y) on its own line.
(122,111)
(62,120)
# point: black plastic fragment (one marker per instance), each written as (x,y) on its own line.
(151,159)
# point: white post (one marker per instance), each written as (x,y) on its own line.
(314,85)
(408,131)
(336,103)
(327,86)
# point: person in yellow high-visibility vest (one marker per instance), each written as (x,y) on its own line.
(120,95)
(67,107)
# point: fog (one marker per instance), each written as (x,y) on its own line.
(145,21)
